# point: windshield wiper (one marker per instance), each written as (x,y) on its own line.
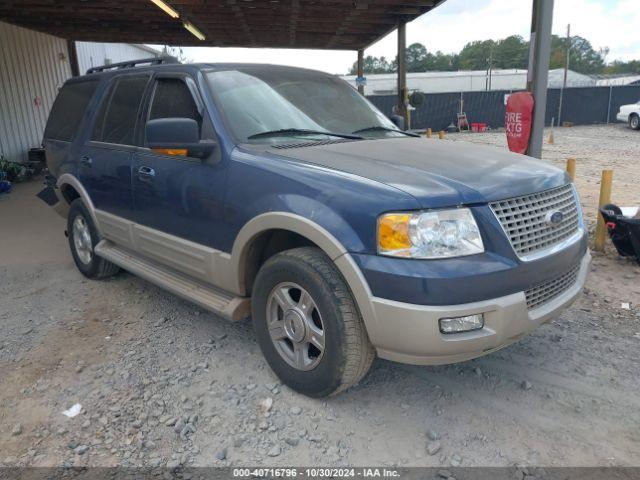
(288,131)
(386,129)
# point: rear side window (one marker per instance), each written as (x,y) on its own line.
(116,121)
(68,110)
(172,98)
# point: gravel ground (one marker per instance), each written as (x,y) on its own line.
(164,383)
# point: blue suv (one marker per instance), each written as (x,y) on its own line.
(283,195)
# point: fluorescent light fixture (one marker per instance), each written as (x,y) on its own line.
(166,8)
(194,31)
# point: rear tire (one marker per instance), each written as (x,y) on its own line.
(307,323)
(83,237)
(634,121)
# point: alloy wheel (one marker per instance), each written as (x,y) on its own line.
(82,240)
(295,326)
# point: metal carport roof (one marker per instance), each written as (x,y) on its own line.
(310,24)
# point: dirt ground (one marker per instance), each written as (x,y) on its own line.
(164,383)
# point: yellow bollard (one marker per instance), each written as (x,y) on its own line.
(605,197)
(428,133)
(441,134)
(571,168)
(550,140)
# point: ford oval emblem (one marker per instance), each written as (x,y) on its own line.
(554,218)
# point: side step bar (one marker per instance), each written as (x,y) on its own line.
(218,301)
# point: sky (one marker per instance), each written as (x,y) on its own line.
(606,23)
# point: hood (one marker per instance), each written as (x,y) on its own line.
(437,173)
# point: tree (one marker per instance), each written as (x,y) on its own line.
(176,52)
(372,65)
(443,62)
(508,53)
(620,67)
(583,58)
(416,58)
(475,55)
(511,52)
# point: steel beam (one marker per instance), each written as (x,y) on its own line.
(538,75)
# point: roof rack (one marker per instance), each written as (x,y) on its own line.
(134,63)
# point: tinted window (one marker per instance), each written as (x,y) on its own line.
(68,110)
(172,98)
(116,120)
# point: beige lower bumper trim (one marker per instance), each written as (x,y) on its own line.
(410,333)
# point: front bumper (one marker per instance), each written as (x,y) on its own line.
(409,333)
(622,117)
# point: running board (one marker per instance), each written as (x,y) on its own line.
(210,298)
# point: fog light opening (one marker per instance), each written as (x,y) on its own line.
(462,324)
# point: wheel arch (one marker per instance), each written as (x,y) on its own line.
(252,237)
(260,230)
(69,189)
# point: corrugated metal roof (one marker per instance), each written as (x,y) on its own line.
(34,65)
(324,24)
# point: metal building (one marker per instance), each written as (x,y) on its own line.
(95,54)
(466,81)
(33,66)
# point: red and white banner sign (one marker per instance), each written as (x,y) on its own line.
(517,121)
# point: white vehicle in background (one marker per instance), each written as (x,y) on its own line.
(630,114)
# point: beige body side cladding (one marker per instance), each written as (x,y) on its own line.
(213,267)
(220,302)
(225,271)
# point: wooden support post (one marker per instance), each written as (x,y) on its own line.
(428,133)
(605,197)
(571,168)
(361,69)
(441,134)
(73,58)
(402,73)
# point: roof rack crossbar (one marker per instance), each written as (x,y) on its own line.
(134,63)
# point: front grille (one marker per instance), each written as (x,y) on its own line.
(525,223)
(538,296)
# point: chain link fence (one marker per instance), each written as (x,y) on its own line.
(580,106)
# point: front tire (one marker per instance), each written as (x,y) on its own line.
(83,237)
(634,121)
(307,323)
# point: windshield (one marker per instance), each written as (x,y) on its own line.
(271,105)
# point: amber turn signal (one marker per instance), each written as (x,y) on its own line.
(174,152)
(393,232)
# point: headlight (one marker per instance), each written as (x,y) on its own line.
(433,234)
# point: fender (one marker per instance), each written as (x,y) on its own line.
(63,208)
(318,235)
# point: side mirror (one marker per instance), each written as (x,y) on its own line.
(398,121)
(180,135)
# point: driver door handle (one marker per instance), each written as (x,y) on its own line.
(146,172)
